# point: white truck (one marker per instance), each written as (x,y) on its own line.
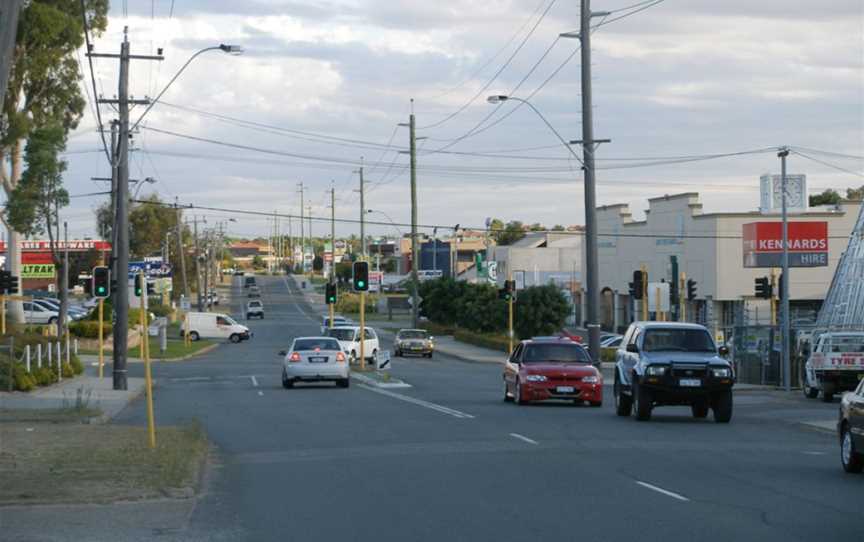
(835,365)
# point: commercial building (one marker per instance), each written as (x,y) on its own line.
(709,248)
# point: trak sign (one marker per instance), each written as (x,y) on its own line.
(37,271)
(808,244)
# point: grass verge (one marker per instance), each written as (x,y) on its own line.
(176,349)
(57,462)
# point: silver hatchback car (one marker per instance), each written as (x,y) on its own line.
(315,359)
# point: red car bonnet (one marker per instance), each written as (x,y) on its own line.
(573,369)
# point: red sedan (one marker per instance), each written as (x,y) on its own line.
(543,369)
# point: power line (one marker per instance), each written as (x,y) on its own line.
(93,81)
(634,12)
(495,76)
(829,153)
(828,164)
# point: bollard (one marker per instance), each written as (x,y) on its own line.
(39,355)
(163,340)
(59,369)
(75,345)
(68,354)
(50,355)
(59,354)
(27,356)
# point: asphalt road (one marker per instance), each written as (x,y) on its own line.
(449,460)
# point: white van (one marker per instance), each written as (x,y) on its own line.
(213,325)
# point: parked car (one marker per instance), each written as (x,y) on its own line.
(238,272)
(612,341)
(38,314)
(315,359)
(850,429)
(211,325)
(248,280)
(254,291)
(213,297)
(551,368)
(338,321)
(413,341)
(349,338)
(255,308)
(671,363)
(74,312)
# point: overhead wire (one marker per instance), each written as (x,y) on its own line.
(93,81)
(827,164)
(467,104)
(634,12)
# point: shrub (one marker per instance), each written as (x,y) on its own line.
(161,310)
(495,342)
(75,363)
(86,329)
(43,376)
(68,372)
(21,379)
(350,303)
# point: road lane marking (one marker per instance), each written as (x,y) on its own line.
(192,379)
(260,394)
(254,380)
(663,491)
(419,402)
(814,453)
(523,438)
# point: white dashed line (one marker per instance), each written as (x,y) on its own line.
(419,402)
(523,438)
(261,394)
(813,453)
(254,380)
(663,491)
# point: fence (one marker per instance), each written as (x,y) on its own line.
(53,356)
(755,351)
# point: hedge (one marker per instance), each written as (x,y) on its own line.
(86,329)
(347,302)
(494,342)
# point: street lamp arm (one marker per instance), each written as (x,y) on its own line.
(226,48)
(554,131)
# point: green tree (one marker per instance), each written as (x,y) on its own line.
(43,89)
(537,227)
(258,262)
(512,232)
(318,264)
(827,197)
(855,194)
(34,205)
(558,227)
(540,310)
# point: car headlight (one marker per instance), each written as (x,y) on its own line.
(721,372)
(591,379)
(656,370)
(535,378)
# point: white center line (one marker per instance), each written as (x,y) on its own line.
(254,381)
(523,438)
(663,491)
(813,453)
(420,402)
(261,394)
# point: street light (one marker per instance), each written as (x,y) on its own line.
(229,49)
(147,180)
(392,222)
(591,271)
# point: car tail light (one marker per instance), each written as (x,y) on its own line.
(294,357)
(340,357)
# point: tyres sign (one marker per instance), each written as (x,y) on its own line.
(807,244)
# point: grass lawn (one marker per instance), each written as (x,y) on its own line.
(176,348)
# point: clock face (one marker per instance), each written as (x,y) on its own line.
(794,194)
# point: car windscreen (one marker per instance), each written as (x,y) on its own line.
(555,353)
(316,343)
(255,304)
(677,340)
(412,334)
(847,344)
(341,334)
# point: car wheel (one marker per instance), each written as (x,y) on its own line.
(828,392)
(643,403)
(344,382)
(353,359)
(699,409)
(851,459)
(507,397)
(810,393)
(723,407)
(234,338)
(52,321)
(429,355)
(286,382)
(517,394)
(193,336)
(623,403)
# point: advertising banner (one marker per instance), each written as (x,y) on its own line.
(37,270)
(763,244)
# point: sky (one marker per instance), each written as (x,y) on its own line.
(322,83)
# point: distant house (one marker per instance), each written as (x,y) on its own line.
(245,250)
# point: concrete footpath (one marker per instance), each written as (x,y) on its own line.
(84,391)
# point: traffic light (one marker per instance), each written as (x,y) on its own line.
(506,293)
(780,286)
(330,294)
(8,283)
(636,287)
(101,282)
(151,288)
(138,287)
(13,285)
(763,288)
(691,289)
(361,276)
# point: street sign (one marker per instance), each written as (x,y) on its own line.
(150,268)
(37,271)
(653,289)
(492,272)
(376,279)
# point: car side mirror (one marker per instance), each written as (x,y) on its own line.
(633,348)
(724,350)
(283,353)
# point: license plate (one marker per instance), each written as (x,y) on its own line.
(564,389)
(690,383)
(317,359)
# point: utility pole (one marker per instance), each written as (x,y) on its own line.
(302,234)
(784,283)
(362,213)
(588,147)
(332,235)
(197,264)
(8,30)
(181,254)
(121,219)
(415,254)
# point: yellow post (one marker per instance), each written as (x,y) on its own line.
(658,313)
(3,314)
(682,296)
(644,293)
(187,341)
(362,330)
(145,353)
(332,310)
(510,316)
(101,337)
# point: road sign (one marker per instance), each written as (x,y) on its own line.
(492,272)
(653,288)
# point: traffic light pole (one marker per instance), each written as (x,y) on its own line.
(682,298)
(784,284)
(101,337)
(644,293)
(510,314)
